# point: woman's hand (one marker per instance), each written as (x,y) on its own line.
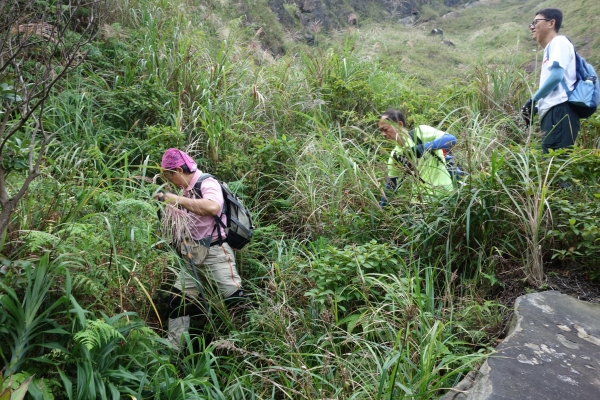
(202,207)
(166,197)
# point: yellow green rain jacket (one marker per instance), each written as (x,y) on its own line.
(428,173)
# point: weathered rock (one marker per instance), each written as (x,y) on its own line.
(448,43)
(451,15)
(352,19)
(407,20)
(277,6)
(310,38)
(436,31)
(552,352)
(453,3)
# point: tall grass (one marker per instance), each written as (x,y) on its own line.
(501,84)
(297,135)
(333,182)
(529,202)
(391,347)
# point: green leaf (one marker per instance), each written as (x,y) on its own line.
(79,311)
(21,391)
(67,384)
(351,321)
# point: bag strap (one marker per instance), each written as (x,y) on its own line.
(218,221)
(413,135)
(198,185)
(563,82)
(416,139)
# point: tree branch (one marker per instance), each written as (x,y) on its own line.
(23,25)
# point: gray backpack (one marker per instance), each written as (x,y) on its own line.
(239,228)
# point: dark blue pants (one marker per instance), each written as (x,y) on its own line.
(560,126)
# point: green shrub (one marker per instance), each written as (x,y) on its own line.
(575,207)
(427,13)
(577,232)
(339,274)
(16,154)
(133,108)
(348,95)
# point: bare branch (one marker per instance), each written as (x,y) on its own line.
(5,117)
(29,31)
(73,60)
(3,191)
(32,142)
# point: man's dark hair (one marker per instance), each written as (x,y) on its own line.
(184,168)
(394,115)
(552,13)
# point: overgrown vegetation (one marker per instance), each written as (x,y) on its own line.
(353,301)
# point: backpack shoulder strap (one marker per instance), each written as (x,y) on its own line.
(563,82)
(198,191)
(417,140)
(198,185)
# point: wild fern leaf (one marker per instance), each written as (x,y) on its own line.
(96,333)
(38,240)
(134,212)
(87,285)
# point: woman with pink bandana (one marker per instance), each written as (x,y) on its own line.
(205,247)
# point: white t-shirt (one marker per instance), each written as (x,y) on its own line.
(561,51)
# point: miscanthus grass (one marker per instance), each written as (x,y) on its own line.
(175,223)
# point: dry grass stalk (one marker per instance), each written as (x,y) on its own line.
(113,32)
(294,35)
(43,29)
(175,223)
(316,25)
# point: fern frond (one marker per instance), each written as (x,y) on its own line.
(87,285)
(38,240)
(96,333)
(129,208)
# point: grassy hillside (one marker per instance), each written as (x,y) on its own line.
(495,24)
(484,32)
(353,301)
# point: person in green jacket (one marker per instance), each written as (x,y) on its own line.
(420,155)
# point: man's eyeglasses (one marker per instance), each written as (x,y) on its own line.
(535,21)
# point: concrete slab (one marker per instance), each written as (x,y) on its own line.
(552,352)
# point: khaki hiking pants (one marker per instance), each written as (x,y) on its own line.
(216,262)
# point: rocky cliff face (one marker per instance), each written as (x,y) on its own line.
(313,16)
(306,19)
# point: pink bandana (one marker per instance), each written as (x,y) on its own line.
(174,158)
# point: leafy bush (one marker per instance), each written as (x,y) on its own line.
(339,274)
(16,157)
(577,233)
(132,108)
(575,206)
(348,95)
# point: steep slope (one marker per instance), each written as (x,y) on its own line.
(475,34)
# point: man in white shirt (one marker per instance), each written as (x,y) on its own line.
(559,121)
